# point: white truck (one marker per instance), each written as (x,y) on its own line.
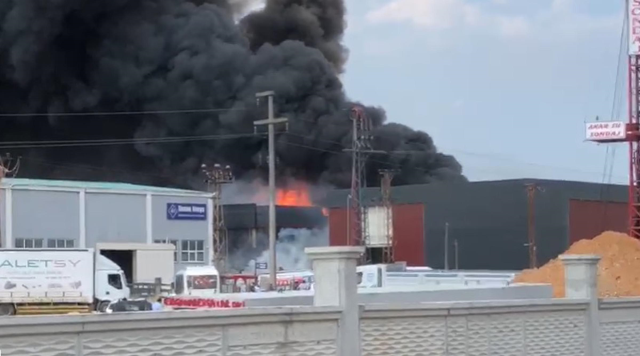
(53,281)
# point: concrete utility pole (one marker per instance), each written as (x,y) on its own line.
(532,188)
(388,252)
(216,177)
(8,168)
(446,246)
(270,122)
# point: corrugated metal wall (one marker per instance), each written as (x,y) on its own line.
(489,219)
(338,227)
(588,219)
(409,233)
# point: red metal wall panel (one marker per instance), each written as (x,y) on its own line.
(587,219)
(408,233)
(338,227)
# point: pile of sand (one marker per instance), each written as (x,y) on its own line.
(618,270)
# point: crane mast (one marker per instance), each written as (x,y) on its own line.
(631,134)
(634,148)
(621,131)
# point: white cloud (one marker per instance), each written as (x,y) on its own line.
(559,19)
(447,14)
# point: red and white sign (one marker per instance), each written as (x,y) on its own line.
(634,27)
(202,303)
(606,131)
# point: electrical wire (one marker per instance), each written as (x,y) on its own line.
(493,157)
(111,142)
(122,113)
(49,163)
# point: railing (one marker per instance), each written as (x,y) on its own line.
(147,290)
(449,279)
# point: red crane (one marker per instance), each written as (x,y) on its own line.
(619,131)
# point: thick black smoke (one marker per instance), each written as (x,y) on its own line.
(79,56)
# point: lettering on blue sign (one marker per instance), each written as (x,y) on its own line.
(179,211)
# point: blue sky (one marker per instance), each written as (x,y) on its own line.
(503,85)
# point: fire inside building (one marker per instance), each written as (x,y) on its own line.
(247,225)
(507,225)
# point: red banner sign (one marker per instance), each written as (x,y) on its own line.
(203,303)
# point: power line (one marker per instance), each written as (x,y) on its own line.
(50,163)
(111,142)
(122,113)
(492,157)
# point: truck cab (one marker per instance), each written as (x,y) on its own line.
(198,281)
(110,283)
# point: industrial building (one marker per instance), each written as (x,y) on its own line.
(487,225)
(247,227)
(121,220)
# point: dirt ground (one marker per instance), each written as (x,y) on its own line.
(618,270)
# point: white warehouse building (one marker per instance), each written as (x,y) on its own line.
(106,216)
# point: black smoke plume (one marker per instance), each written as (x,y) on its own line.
(100,56)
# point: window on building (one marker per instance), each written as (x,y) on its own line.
(60,243)
(174,243)
(29,243)
(192,251)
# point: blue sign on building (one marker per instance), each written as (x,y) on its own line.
(178,211)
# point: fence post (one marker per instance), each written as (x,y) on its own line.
(336,284)
(581,282)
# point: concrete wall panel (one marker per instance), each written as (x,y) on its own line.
(45,214)
(115,218)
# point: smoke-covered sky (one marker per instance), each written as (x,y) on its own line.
(101,56)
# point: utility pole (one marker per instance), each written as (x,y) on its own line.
(360,150)
(446,246)
(8,168)
(388,252)
(532,188)
(455,250)
(216,177)
(270,122)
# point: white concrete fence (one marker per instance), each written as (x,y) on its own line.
(336,325)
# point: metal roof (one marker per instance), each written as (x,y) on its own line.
(434,192)
(105,186)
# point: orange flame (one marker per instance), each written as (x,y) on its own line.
(297,194)
(293,196)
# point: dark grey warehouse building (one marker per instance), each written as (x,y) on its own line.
(488,222)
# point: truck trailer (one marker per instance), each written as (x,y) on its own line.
(55,281)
